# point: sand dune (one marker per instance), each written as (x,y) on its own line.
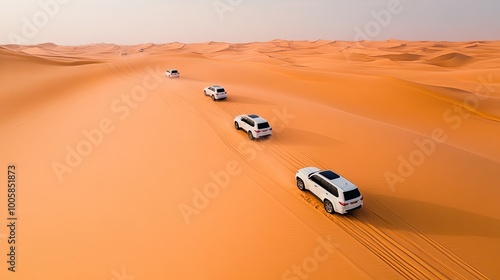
(450,60)
(123,172)
(401,57)
(398,46)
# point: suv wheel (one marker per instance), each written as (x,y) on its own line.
(236,125)
(300,184)
(250,135)
(329,206)
(213,98)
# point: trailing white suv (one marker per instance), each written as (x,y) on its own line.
(253,125)
(172,73)
(337,193)
(215,92)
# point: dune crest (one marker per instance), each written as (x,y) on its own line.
(453,59)
(401,57)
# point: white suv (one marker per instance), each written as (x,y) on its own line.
(172,73)
(253,125)
(336,193)
(215,92)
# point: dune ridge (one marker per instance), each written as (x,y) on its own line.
(450,60)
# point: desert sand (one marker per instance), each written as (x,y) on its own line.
(123,173)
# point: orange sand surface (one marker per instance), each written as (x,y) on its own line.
(122,173)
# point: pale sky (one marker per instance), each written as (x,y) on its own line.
(80,22)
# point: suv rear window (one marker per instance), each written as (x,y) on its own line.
(174,71)
(263,125)
(220,90)
(351,194)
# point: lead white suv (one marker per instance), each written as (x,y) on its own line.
(336,193)
(172,73)
(253,125)
(215,92)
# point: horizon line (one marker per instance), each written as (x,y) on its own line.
(250,42)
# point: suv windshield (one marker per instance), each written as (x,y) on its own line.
(351,194)
(263,125)
(330,175)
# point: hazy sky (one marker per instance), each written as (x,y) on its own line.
(77,22)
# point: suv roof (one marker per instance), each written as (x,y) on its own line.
(216,87)
(257,119)
(338,181)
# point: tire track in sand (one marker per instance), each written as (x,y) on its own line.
(405,253)
(461,265)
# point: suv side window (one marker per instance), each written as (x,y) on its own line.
(316,179)
(328,187)
(247,121)
(324,184)
(331,189)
